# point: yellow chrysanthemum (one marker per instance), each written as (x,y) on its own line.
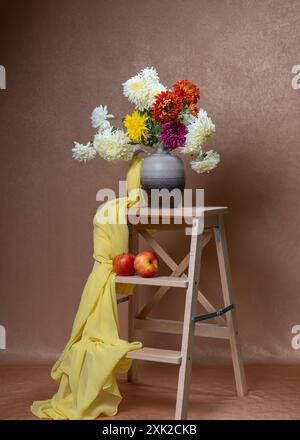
(136,126)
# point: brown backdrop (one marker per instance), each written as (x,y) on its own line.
(64,57)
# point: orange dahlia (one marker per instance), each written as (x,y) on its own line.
(193,109)
(187,90)
(167,107)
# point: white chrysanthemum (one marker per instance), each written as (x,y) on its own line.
(150,74)
(142,88)
(198,132)
(99,118)
(83,153)
(114,145)
(206,162)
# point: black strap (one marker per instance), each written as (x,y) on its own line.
(218,312)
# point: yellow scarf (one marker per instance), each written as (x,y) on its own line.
(95,353)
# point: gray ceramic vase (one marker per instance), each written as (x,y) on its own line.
(161,170)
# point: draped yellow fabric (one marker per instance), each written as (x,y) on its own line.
(95,353)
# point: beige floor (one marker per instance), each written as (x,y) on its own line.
(274,392)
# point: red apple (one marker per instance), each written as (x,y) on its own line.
(146,264)
(124,264)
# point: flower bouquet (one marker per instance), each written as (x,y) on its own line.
(163,118)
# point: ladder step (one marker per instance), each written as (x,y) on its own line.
(154,281)
(156,355)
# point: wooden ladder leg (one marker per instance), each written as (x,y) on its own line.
(132,302)
(188,325)
(228,294)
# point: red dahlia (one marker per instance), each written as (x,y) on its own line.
(167,107)
(188,91)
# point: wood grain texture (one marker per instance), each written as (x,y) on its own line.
(156,355)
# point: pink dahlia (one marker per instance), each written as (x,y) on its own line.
(173,134)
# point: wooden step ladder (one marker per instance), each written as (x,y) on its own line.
(203,226)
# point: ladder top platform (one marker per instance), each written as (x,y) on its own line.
(205,211)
